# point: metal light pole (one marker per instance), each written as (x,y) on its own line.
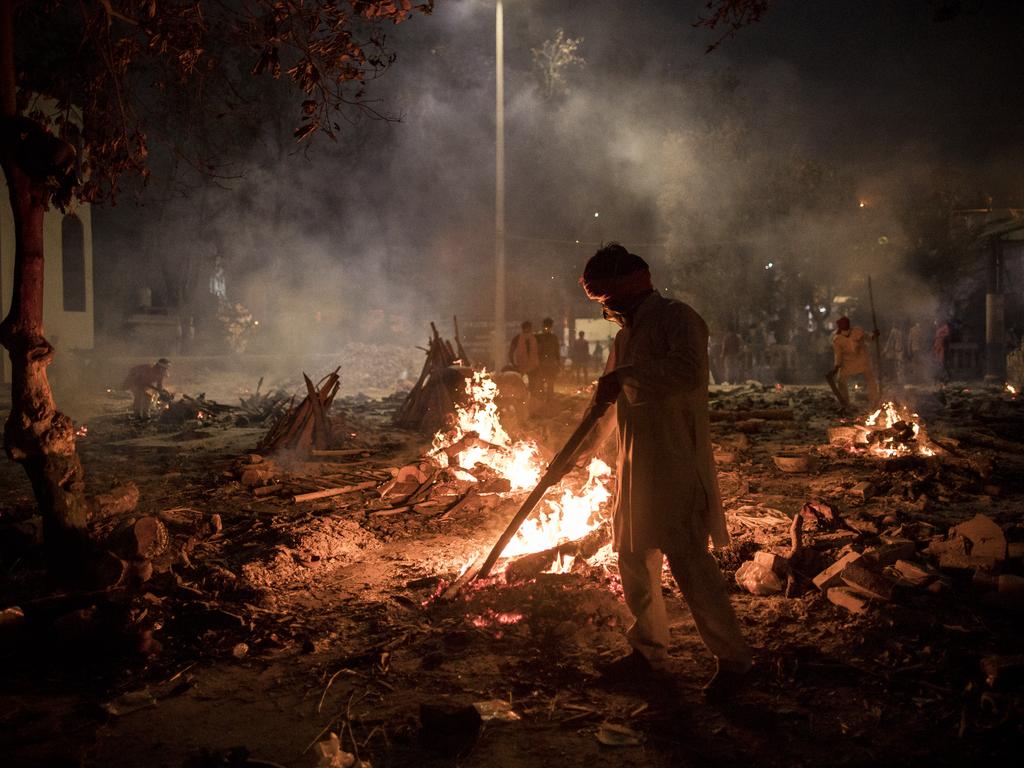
(498,348)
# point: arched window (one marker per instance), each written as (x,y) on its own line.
(72,237)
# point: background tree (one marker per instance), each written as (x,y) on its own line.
(83,89)
(553,60)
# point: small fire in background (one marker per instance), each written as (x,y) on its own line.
(567,517)
(81,432)
(1010,389)
(893,430)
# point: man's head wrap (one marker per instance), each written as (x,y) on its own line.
(614,275)
(843,323)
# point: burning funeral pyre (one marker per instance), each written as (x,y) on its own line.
(477,444)
(891,431)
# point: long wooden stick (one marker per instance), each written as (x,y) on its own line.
(557,469)
(458,342)
(878,346)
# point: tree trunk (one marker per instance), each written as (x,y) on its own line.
(37,435)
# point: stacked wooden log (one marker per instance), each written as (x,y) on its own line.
(307,426)
(430,400)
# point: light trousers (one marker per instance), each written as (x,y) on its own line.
(701,583)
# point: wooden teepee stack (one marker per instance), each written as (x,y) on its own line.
(430,399)
(307,425)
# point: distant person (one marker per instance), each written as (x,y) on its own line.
(522,352)
(579,354)
(913,352)
(892,352)
(146,382)
(598,356)
(852,357)
(732,348)
(940,350)
(757,344)
(550,358)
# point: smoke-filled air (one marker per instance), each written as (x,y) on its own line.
(511,383)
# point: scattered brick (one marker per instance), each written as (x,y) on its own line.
(832,576)
(846,598)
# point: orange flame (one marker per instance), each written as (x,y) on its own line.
(888,416)
(518,462)
(571,517)
(567,517)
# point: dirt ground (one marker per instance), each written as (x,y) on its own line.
(267,628)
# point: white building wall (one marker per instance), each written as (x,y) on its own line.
(65,330)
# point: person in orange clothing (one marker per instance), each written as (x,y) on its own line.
(146,382)
(852,357)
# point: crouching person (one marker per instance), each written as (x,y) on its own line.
(146,382)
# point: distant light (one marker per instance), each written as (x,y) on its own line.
(822,310)
(255,322)
(862,204)
(577,242)
(769,265)
(596,214)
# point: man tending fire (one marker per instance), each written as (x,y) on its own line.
(853,357)
(146,382)
(667,502)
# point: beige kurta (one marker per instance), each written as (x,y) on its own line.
(667,496)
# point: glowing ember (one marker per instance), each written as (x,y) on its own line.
(1011,389)
(895,431)
(81,432)
(568,515)
(496,617)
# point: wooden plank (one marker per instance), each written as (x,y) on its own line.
(461,502)
(333,492)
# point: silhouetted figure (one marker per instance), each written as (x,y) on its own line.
(579,354)
(522,352)
(146,382)
(550,360)
(668,503)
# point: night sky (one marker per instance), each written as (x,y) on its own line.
(673,145)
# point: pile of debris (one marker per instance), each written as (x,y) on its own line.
(873,569)
(259,407)
(194,409)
